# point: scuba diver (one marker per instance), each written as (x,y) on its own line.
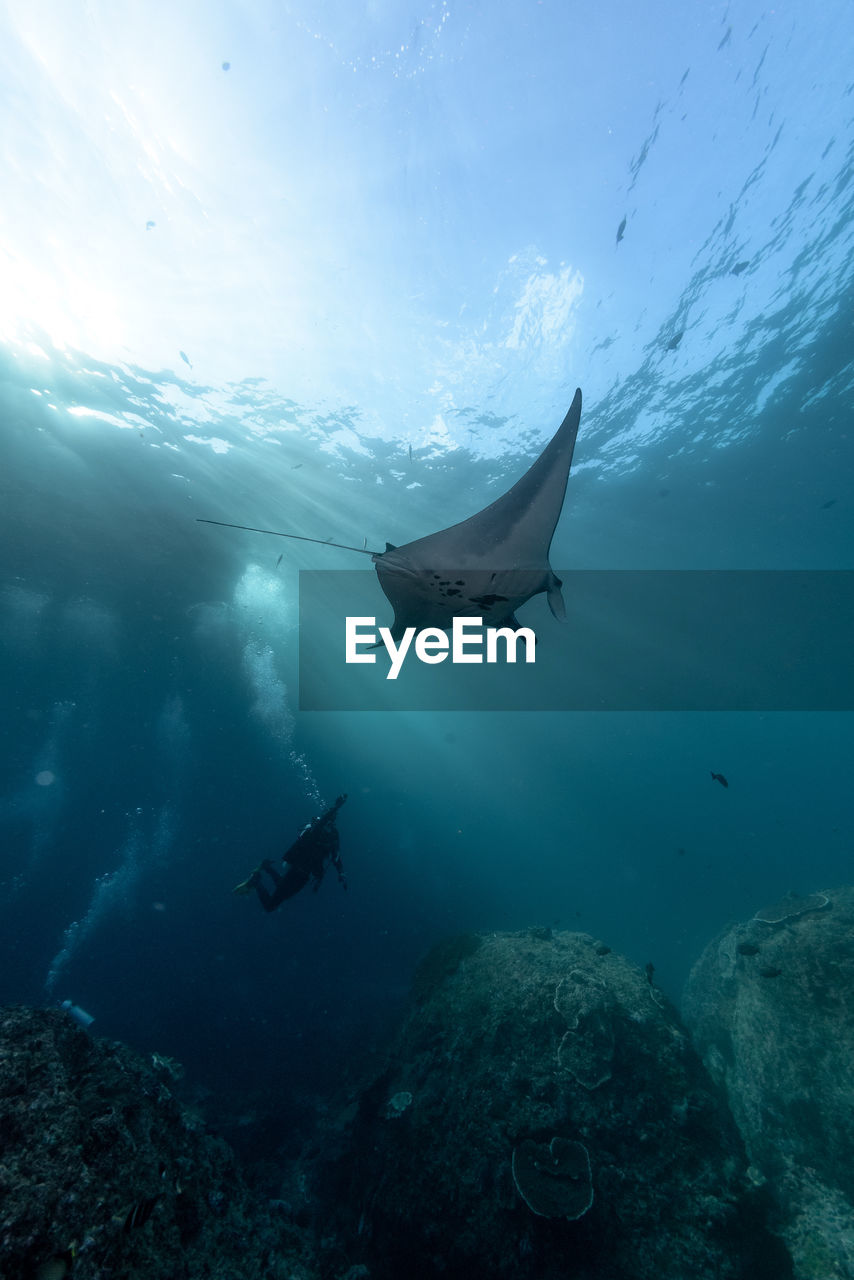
(317,844)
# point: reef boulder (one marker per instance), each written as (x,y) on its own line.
(103,1173)
(771,1007)
(557,1123)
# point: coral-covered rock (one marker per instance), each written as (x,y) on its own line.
(553,1178)
(771,1007)
(627,1163)
(105,1174)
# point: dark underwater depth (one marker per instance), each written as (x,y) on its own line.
(376,287)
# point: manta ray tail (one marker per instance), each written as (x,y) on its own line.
(363,551)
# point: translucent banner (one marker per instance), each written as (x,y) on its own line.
(633,640)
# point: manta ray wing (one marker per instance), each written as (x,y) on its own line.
(491,563)
(486,566)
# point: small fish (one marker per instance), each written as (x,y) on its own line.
(365,543)
(621,230)
(769,971)
(719,777)
(680,852)
(825,506)
(747,949)
(279,561)
(410,453)
(139,1213)
(675,340)
(602,950)
(296,466)
(649,970)
(185,358)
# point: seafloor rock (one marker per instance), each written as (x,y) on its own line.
(771,1006)
(542,1115)
(104,1174)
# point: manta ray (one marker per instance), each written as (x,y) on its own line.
(486,566)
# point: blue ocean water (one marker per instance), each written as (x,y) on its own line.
(385,245)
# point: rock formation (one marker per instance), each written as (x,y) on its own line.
(557,1123)
(771,1007)
(103,1173)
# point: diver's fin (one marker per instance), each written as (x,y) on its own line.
(247,885)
